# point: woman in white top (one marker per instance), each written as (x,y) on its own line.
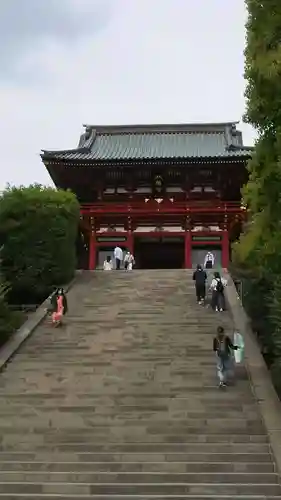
(129,261)
(209,260)
(107,265)
(217,287)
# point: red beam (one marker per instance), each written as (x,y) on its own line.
(132,203)
(158,211)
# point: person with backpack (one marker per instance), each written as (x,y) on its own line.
(129,261)
(223,348)
(200,277)
(217,287)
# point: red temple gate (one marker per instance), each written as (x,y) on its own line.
(171,189)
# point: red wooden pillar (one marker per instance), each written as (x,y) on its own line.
(187,250)
(92,252)
(225,249)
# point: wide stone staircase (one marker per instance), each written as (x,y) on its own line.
(123,402)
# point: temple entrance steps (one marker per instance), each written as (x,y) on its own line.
(123,403)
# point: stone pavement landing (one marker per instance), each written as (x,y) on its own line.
(123,402)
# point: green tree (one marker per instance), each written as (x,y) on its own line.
(259,247)
(9,320)
(38,229)
(263,106)
(262,194)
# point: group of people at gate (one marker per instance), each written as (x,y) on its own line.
(127,259)
(120,259)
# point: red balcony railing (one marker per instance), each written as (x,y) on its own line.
(164,207)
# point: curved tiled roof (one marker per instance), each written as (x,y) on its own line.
(156,142)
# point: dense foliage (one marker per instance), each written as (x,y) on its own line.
(9,320)
(38,229)
(257,254)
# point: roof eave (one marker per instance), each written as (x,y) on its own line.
(53,157)
(233,147)
(65,151)
(47,154)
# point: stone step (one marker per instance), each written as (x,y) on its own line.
(112,414)
(142,405)
(212,396)
(150,385)
(139,455)
(194,377)
(11,444)
(127,428)
(142,446)
(117,434)
(162,350)
(160,347)
(139,446)
(188,349)
(227,399)
(232,400)
(132,478)
(124,344)
(157,424)
(135,497)
(145,466)
(109,354)
(199,371)
(127,437)
(60,437)
(140,489)
(157,350)
(83,447)
(208,391)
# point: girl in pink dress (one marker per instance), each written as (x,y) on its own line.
(60,308)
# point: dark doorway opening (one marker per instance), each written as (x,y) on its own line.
(159,253)
(199,253)
(107,251)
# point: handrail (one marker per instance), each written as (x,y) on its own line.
(164,206)
(179,204)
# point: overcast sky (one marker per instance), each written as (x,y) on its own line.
(68,62)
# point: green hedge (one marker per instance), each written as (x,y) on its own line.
(9,320)
(261,296)
(257,254)
(38,230)
(256,297)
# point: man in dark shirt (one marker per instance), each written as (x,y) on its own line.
(200,277)
(223,348)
